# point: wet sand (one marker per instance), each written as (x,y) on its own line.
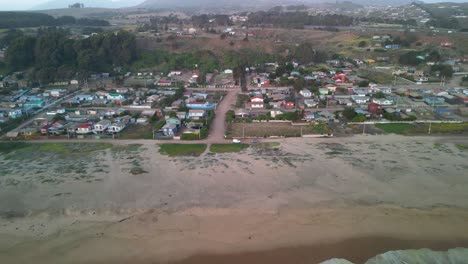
(356,250)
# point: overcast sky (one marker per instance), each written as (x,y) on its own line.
(19,4)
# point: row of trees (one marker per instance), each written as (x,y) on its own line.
(54,56)
(28,19)
(298,19)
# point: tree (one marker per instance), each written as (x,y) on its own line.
(349,113)
(363,83)
(58,117)
(362,44)
(379,95)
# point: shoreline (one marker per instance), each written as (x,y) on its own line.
(233,235)
(356,250)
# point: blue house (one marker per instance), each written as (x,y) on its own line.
(434,100)
(200,105)
(444,111)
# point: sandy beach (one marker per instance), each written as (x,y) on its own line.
(306,201)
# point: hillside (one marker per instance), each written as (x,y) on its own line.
(58,4)
(258,3)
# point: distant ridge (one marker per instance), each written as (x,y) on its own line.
(57,4)
(258,3)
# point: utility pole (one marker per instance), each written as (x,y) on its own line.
(364,129)
(243,132)
(430,126)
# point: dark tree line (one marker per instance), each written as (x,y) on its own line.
(53,56)
(29,19)
(298,19)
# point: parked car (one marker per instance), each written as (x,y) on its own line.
(236,141)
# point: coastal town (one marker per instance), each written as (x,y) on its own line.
(175,106)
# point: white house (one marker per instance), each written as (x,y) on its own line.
(385,90)
(116,127)
(306,93)
(115,97)
(382,101)
(84,129)
(57,92)
(101,126)
(360,99)
(196,113)
(15,113)
(256,99)
(169,130)
(310,103)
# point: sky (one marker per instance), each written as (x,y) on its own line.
(19,4)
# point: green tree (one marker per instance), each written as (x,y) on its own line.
(349,113)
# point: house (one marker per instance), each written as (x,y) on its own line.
(174,121)
(84,98)
(196,114)
(256,99)
(310,103)
(152,98)
(374,108)
(444,111)
(306,93)
(331,87)
(14,113)
(176,104)
(434,100)
(360,99)
(289,104)
(57,93)
(84,129)
(200,105)
(115,97)
(276,104)
(382,101)
(169,130)
(241,113)
(148,113)
(45,129)
(323,91)
(121,90)
(384,90)
(101,126)
(164,82)
(309,116)
(181,115)
(277,97)
(252,105)
(117,127)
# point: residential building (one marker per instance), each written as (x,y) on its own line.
(196,114)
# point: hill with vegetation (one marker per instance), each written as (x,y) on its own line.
(12,19)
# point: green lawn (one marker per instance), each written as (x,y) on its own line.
(174,150)
(226,148)
(461,147)
(395,128)
(419,129)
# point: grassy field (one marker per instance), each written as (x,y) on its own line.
(137,132)
(395,128)
(415,129)
(174,150)
(268,130)
(18,150)
(461,147)
(226,148)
